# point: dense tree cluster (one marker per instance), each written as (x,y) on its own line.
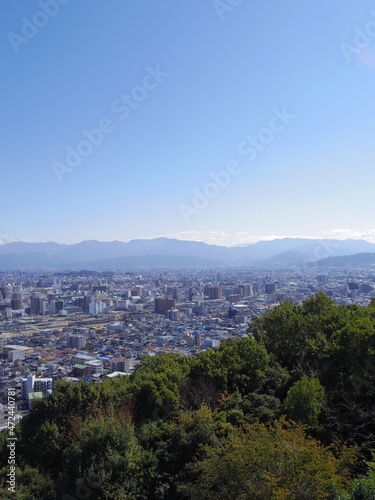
(287,412)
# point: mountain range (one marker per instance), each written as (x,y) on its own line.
(164,252)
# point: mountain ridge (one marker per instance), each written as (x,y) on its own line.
(151,252)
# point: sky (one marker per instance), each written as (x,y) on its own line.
(223,121)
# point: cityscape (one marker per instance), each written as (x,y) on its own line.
(187,250)
(93,325)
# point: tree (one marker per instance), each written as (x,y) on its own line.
(275,462)
(303,401)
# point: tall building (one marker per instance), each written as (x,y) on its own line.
(97,307)
(86,306)
(173,314)
(38,305)
(31,385)
(213,292)
(3,343)
(77,341)
(163,305)
(270,288)
(55,306)
(16,301)
(197,339)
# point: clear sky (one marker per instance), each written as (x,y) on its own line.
(278,95)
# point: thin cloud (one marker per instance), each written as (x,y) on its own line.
(245,238)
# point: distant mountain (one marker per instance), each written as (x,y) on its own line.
(357,260)
(18,247)
(154,261)
(285,259)
(172,252)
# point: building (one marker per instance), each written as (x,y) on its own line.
(95,366)
(121,365)
(321,279)
(197,339)
(16,301)
(3,343)
(213,292)
(55,306)
(97,307)
(163,305)
(233,298)
(210,343)
(38,305)
(90,365)
(33,388)
(77,341)
(16,352)
(270,288)
(79,370)
(173,314)
(81,358)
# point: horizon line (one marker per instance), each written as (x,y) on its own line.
(260,239)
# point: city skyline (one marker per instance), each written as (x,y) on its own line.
(215,121)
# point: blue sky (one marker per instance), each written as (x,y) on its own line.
(175,87)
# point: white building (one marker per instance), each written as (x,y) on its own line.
(97,307)
(210,343)
(15,352)
(81,358)
(95,366)
(32,385)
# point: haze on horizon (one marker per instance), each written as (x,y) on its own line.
(216,121)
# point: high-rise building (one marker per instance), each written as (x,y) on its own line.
(162,305)
(3,343)
(16,301)
(97,307)
(270,288)
(38,305)
(213,292)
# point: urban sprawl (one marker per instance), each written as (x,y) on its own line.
(94,325)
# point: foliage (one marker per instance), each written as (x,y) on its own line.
(277,461)
(303,401)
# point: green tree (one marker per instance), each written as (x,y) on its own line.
(303,401)
(273,462)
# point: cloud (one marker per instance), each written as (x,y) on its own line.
(5,238)
(246,238)
(219,237)
(346,234)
